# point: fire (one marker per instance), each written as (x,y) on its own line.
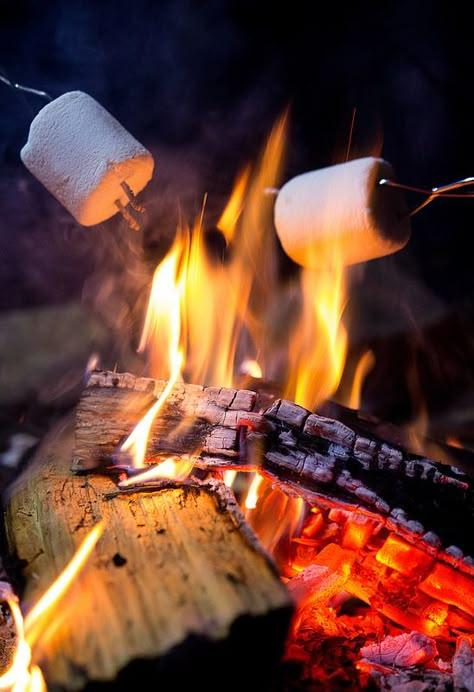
(23,675)
(229,478)
(252,493)
(209,318)
(35,620)
(363,367)
(174,468)
(203,316)
(162,337)
(273,515)
(230,216)
(318,343)
(252,368)
(226,301)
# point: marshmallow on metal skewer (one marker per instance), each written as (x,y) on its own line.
(341,213)
(87,159)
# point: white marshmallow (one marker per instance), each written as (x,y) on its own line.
(341,213)
(82,154)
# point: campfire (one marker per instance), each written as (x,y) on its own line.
(233,511)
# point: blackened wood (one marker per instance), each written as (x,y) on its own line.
(318,457)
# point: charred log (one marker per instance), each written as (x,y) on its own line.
(320,458)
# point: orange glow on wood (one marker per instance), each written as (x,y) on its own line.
(403,557)
(450,586)
(313,524)
(357,532)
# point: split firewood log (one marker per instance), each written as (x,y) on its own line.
(177,588)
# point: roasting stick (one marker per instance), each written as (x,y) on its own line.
(348,213)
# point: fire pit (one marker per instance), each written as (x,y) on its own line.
(336,561)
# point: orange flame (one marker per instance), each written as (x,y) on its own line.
(162,336)
(173,468)
(453,441)
(231,214)
(226,302)
(206,317)
(36,618)
(318,344)
(272,514)
(363,367)
(17,674)
(229,478)
(199,312)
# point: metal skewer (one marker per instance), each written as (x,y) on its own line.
(441,191)
(30,90)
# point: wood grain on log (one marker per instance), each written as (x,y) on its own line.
(177,585)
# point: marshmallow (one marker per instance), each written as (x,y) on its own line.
(341,214)
(83,155)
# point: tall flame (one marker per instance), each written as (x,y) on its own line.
(162,337)
(209,318)
(230,216)
(318,343)
(363,367)
(227,302)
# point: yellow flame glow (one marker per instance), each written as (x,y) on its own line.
(173,468)
(231,214)
(318,344)
(252,368)
(207,317)
(229,478)
(162,338)
(363,367)
(36,618)
(17,674)
(252,493)
(274,514)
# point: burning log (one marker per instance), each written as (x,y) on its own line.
(388,518)
(319,458)
(177,587)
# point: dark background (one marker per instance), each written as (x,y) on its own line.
(200,84)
